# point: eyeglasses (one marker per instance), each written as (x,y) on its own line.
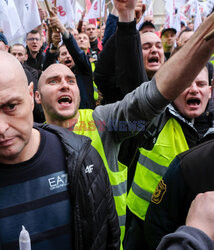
(32,39)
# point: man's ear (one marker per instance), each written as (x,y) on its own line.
(38,97)
(30,89)
(26,57)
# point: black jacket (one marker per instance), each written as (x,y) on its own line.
(38,62)
(96,225)
(190,173)
(120,57)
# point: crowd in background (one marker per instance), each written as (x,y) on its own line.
(106,81)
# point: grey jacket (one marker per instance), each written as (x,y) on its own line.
(186,238)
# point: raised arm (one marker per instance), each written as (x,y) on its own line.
(178,72)
(78,55)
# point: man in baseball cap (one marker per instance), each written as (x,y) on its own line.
(168,36)
(147,27)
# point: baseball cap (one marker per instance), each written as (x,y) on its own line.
(168,29)
(146,23)
(3,38)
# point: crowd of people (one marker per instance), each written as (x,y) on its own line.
(103,133)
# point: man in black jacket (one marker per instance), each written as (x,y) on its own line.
(53,182)
(36,57)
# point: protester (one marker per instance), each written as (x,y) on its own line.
(75,33)
(168,37)
(184,36)
(75,57)
(147,27)
(159,134)
(188,175)
(20,52)
(183,125)
(153,54)
(44,171)
(36,57)
(56,96)
(95,44)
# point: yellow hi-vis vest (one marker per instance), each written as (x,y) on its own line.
(152,165)
(86,126)
(96,95)
(212,59)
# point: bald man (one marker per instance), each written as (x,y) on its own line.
(46,174)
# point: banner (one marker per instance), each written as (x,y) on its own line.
(65,12)
(28,14)
(197,19)
(10,21)
(170,13)
(94,11)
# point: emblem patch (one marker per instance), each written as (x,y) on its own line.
(159,192)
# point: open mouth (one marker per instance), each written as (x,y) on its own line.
(153,59)
(68,61)
(65,100)
(193,102)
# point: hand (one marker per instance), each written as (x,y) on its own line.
(139,10)
(42,14)
(201,213)
(56,38)
(56,23)
(126,9)
(83,15)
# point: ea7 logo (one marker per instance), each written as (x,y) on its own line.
(58,181)
(89,169)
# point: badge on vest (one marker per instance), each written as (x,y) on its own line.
(159,192)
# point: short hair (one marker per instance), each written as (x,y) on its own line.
(58,50)
(34,32)
(187,29)
(17,44)
(83,33)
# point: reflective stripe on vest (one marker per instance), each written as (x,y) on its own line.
(212,59)
(96,95)
(152,165)
(86,126)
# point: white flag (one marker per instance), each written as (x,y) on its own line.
(179,3)
(9,20)
(149,11)
(65,12)
(170,13)
(208,7)
(94,11)
(197,19)
(79,11)
(28,14)
(177,21)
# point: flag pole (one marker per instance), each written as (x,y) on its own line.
(54,3)
(38,4)
(100,18)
